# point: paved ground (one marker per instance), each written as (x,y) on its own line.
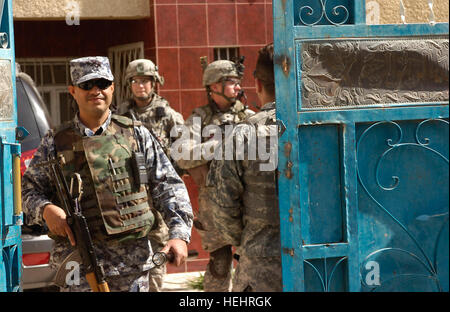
(175,282)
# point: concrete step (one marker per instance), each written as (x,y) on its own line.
(179,282)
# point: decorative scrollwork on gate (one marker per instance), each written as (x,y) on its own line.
(324,10)
(325,278)
(355,73)
(399,144)
(9,254)
(422,258)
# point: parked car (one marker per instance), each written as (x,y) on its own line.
(36,245)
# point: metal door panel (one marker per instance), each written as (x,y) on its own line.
(403,203)
(322,212)
(6,169)
(10,214)
(363,163)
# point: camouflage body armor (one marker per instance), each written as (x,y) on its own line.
(242,189)
(158,117)
(260,197)
(238,113)
(210,115)
(115,206)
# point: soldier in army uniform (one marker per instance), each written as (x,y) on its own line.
(159,118)
(146,105)
(119,205)
(222,82)
(246,211)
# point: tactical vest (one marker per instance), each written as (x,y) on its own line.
(158,117)
(206,112)
(115,207)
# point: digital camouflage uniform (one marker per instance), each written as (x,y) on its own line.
(246,211)
(126,263)
(159,118)
(218,272)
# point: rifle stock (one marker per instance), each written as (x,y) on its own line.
(95,286)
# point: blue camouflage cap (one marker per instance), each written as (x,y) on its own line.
(90,67)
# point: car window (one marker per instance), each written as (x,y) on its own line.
(26,118)
(39,108)
(31,114)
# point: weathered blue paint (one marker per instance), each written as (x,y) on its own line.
(363,189)
(10,230)
(369,31)
(367,115)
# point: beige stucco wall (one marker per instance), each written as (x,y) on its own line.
(416,11)
(378,11)
(89,9)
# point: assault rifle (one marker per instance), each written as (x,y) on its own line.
(70,202)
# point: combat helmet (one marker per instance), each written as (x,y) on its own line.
(218,70)
(143,67)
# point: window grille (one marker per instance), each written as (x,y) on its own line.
(120,57)
(226,53)
(51,76)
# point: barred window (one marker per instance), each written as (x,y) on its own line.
(226,53)
(120,56)
(51,76)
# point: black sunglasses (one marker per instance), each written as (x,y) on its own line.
(102,84)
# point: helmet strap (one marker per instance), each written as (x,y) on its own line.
(230,100)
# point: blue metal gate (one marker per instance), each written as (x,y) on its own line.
(363,162)
(10,203)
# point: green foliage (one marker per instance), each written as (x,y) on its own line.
(197,283)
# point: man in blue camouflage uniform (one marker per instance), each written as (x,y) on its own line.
(246,212)
(159,117)
(126,263)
